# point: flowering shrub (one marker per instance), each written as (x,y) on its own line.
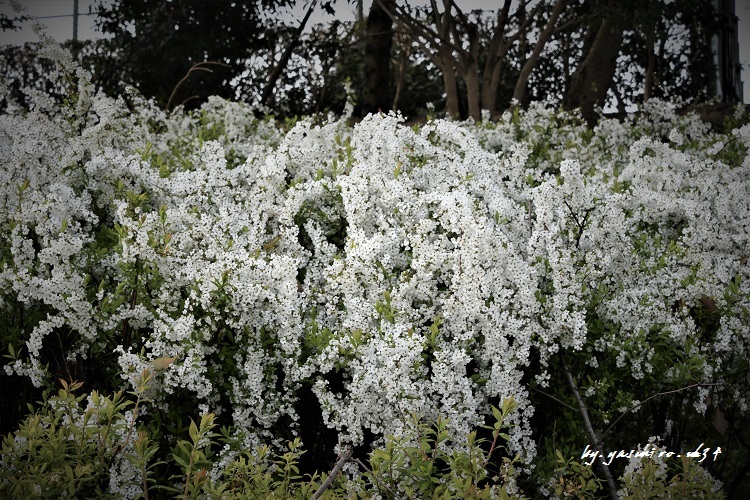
(334,279)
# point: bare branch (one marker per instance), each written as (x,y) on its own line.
(376,478)
(201,66)
(497,36)
(566,405)
(460,14)
(649,399)
(276,73)
(438,39)
(576,21)
(590,429)
(525,25)
(491,72)
(519,93)
(344,457)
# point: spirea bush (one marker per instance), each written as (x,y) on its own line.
(343,284)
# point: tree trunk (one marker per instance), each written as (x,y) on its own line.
(595,73)
(648,82)
(489,88)
(378,39)
(321,102)
(471,78)
(519,92)
(494,60)
(452,109)
(402,68)
(469,66)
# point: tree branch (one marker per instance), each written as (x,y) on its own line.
(527,22)
(344,457)
(649,399)
(376,478)
(433,37)
(201,66)
(519,93)
(566,405)
(276,73)
(590,429)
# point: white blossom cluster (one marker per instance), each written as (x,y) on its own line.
(389,269)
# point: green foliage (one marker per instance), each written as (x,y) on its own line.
(67,450)
(654,479)
(263,475)
(573,479)
(193,457)
(425,464)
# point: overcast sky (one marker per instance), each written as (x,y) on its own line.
(57,15)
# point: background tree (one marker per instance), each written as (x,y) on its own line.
(590,54)
(595,73)
(418,86)
(457,44)
(294,41)
(154,44)
(668,52)
(551,77)
(519,92)
(377,62)
(8,23)
(633,52)
(334,48)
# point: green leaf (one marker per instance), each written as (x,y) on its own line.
(162,363)
(193,431)
(181,461)
(269,245)
(496,413)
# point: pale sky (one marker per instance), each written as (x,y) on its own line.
(57,15)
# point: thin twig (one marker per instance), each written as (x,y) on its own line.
(581,224)
(201,66)
(590,429)
(648,399)
(372,474)
(64,358)
(566,405)
(343,458)
(145,483)
(196,96)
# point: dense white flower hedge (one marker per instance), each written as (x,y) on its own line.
(391,270)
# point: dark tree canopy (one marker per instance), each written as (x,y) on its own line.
(155,44)
(586,55)
(8,23)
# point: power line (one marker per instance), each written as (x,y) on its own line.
(65,15)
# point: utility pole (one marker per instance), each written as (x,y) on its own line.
(75,20)
(727,54)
